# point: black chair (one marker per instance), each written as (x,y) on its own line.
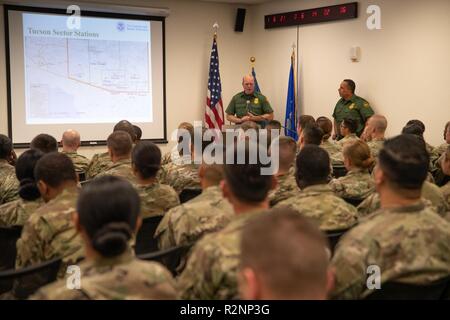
(8,239)
(334,236)
(81,176)
(26,281)
(171,258)
(339,171)
(189,193)
(437,290)
(145,242)
(354,202)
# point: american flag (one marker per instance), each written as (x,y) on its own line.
(214,107)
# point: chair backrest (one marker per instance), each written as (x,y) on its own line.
(189,193)
(26,281)
(334,236)
(339,171)
(81,176)
(145,242)
(170,258)
(8,239)
(437,290)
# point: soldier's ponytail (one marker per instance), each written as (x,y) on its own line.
(359,153)
(28,189)
(108,210)
(112,239)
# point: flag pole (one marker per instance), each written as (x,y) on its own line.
(295,80)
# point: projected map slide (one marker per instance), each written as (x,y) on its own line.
(100,73)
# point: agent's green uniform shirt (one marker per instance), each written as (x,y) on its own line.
(355,108)
(258,104)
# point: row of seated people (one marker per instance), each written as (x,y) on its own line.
(210,212)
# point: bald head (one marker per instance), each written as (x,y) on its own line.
(376,126)
(70,140)
(248,83)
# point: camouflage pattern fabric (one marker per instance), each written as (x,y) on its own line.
(184,224)
(180,176)
(321,204)
(9,185)
(80,162)
(286,187)
(331,148)
(409,244)
(118,278)
(211,271)
(122,169)
(17,212)
(100,162)
(348,138)
(446,192)
(50,233)
(375,146)
(432,197)
(156,199)
(356,184)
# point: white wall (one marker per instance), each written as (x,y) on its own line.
(404,71)
(188,44)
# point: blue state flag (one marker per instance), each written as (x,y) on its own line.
(256,81)
(290,121)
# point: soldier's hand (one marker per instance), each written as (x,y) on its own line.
(245,118)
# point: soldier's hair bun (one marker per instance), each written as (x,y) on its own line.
(112,239)
(28,189)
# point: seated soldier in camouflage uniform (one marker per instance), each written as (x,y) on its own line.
(110,270)
(45,143)
(182,172)
(17,212)
(409,242)
(286,184)
(9,185)
(206,213)
(432,197)
(271,267)
(334,150)
(445,165)
(119,149)
(177,152)
(419,132)
(374,133)
(70,143)
(443,147)
(102,161)
(317,200)
(439,176)
(357,184)
(348,131)
(156,198)
(304,121)
(211,271)
(49,232)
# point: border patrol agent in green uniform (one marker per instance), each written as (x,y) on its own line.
(350,106)
(249,105)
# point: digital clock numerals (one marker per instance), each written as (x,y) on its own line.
(324,14)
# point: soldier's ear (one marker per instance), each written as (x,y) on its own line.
(274,183)
(43,188)
(76,221)
(225,190)
(249,285)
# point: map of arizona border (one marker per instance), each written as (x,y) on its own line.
(109,72)
(98,73)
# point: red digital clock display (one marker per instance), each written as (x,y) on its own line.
(323,14)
